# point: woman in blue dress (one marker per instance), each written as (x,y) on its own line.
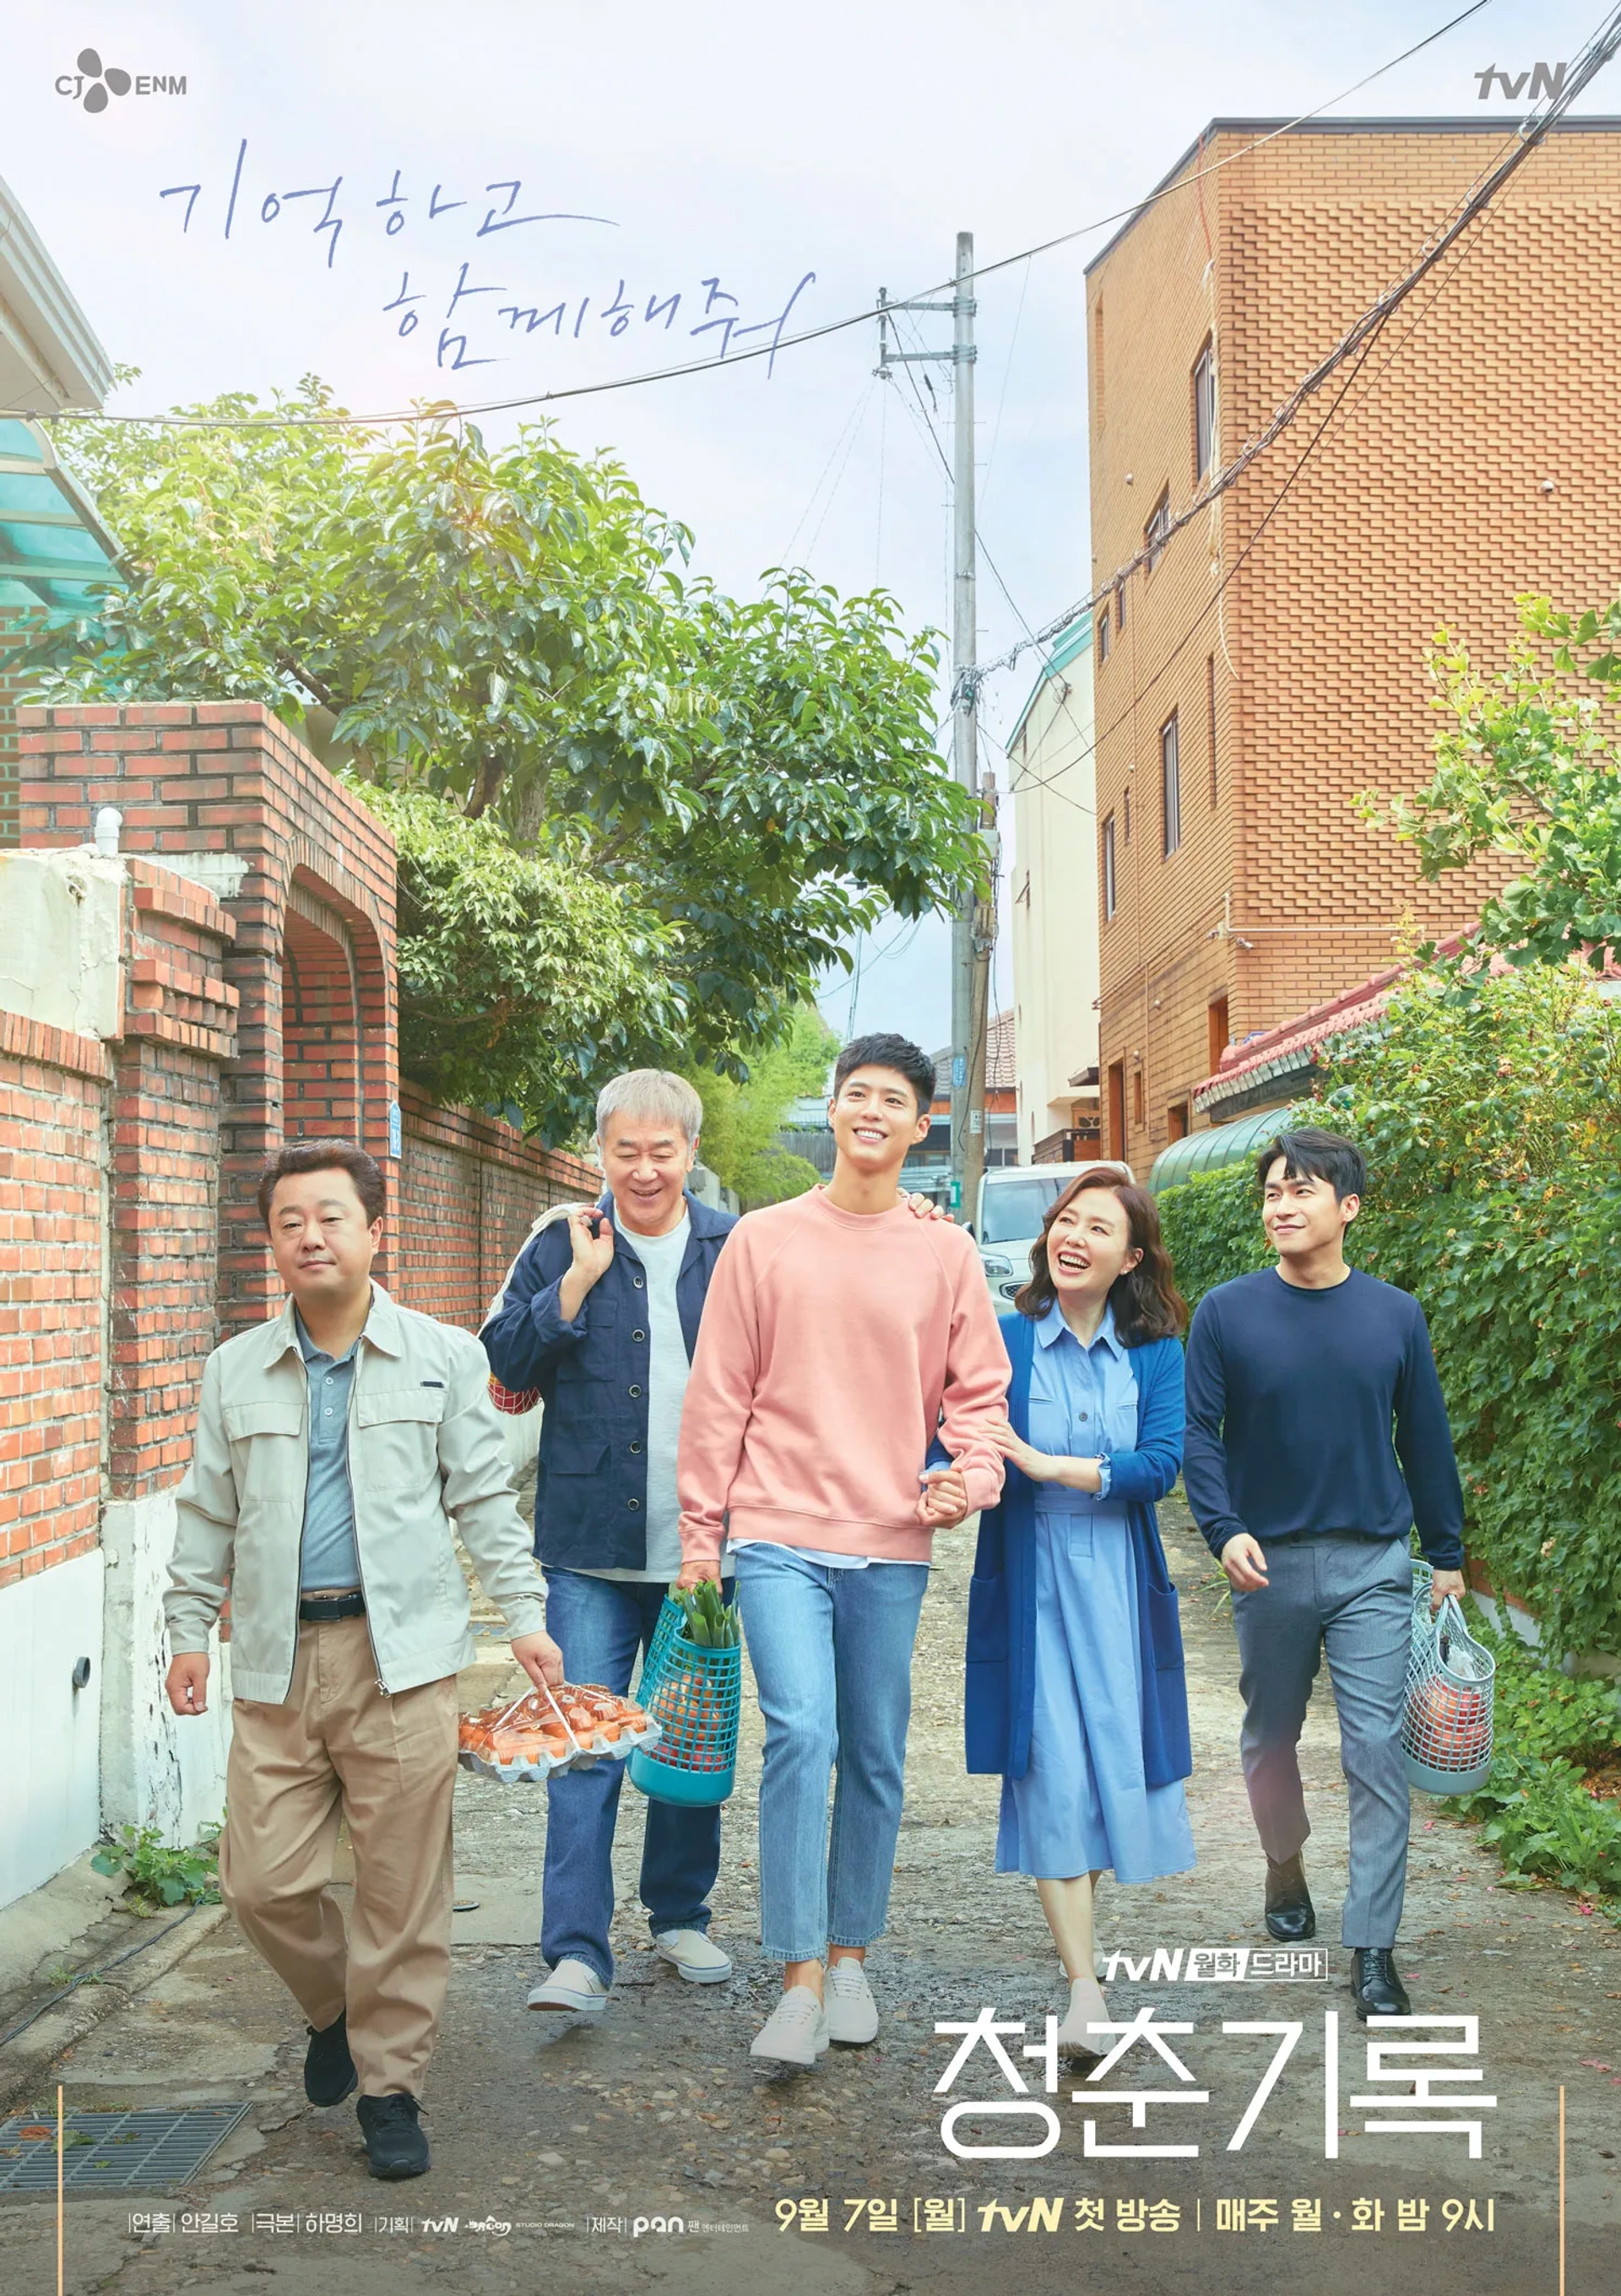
(1075,1692)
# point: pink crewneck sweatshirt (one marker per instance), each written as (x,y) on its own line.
(830,1342)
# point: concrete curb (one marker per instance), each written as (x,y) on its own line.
(24,2061)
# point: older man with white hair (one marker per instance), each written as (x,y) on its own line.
(600,1314)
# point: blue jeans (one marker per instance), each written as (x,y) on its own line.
(600,1624)
(832,1654)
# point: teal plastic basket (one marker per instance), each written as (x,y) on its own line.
(695,1697)
(666,1623)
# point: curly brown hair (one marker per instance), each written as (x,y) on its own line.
(1147,1303)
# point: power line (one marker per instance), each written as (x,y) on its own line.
(1365,328)
(1140,694)
(449,410)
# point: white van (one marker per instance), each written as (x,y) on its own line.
(1013,1199)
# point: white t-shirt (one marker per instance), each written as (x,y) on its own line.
(668,1371)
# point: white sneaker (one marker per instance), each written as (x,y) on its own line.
(698,1961)
(573,1988)
(852,2013)
(1086,2006)
(795,2033)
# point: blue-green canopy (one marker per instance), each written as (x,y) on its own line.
(54,552)
(1221,1145)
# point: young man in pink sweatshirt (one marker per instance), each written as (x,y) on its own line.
(841,1336)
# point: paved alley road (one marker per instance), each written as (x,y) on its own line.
(561,2134)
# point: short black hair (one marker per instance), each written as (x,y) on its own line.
(887,1052)
(294,1156)
(1312,1154)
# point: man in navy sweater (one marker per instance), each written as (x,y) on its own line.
(1316,1438)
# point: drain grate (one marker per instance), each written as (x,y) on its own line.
(113,2151)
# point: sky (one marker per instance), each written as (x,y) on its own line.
(503,199)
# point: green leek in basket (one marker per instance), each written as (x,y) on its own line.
(706,1620)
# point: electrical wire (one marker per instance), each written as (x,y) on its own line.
(1472,208)
(1139,695)
(448,410)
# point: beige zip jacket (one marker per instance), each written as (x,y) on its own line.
(426,1459)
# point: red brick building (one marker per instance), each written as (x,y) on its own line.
(1269,664)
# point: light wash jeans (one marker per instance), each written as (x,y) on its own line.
(832,1654)
(600,1624)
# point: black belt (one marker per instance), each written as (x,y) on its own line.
(322,1608)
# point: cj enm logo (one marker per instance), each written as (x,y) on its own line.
(94,84)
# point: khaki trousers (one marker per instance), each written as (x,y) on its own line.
(341,1747)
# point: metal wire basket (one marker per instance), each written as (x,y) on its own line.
(1446,1719)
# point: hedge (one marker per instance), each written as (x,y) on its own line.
(1491,1117)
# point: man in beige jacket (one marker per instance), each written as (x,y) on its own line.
(339,1450)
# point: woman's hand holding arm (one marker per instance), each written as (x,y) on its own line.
(1044,1466)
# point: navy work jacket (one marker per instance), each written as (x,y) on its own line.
(999,1708)
(591,1484)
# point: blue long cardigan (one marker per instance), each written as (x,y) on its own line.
(999,1700)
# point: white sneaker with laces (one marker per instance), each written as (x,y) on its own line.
(698,1961)
(852,2013)
(573,1989)
(795,2033)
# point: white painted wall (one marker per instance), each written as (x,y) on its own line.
(62,940)
(157,1769)
(1053,899)
(50,1803)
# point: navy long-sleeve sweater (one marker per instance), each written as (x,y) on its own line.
(1293,1400)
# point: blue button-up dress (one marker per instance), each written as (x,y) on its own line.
(1082,1805)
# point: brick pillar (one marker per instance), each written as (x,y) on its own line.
(179,1032)
(221,792)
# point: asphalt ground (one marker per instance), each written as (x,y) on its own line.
(558,2148)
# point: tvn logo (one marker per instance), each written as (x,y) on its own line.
(95,84)
(1222,1964)
(1546,79)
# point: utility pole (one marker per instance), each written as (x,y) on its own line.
(972,930)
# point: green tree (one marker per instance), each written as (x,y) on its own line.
(510,630)
(1494,1197)
(1529,768)
(741,1121)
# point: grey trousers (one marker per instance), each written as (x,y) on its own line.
(1351,1597)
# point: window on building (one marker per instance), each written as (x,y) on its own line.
(1126,809)
(1217,1026)
(1108,866)
(1103,633)
(1203,414)
(1157,530)
(1117,1108)
(1119,606)
(1176,1120)
(1137,1098)
(1210,737)
(1171,784)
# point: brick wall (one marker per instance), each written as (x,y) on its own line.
(180,1031)
(1422,504)
(15,628)
(470,1190)
(53,1168)
(309,873)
